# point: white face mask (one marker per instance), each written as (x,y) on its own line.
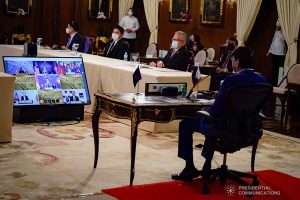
(114,36)
(175,44)
(130,13)
(67,31)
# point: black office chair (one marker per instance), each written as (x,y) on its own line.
(242,129)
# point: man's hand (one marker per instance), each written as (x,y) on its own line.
(152,64)
(54,46)
(160,64)
(64,47)
(268,54)
(129,30)
(220,70)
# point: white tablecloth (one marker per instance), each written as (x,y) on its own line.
(114,76)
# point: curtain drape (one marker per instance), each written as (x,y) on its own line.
(247,11)
(289,18)
(151,11)
(124,5)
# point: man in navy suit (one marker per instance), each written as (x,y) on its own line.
(178,57)
(117,47)
(225,66)
(74,37)
(244,75)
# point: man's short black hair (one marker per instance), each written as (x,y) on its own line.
(74,25)
(120,28)
(244,54)
(233,38)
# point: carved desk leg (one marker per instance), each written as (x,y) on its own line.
(95,125)
(135,120)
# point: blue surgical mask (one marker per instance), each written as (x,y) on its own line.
(175,44)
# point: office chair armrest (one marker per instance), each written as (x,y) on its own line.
(262,116)
(207,116)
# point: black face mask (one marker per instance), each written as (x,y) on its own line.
(230,47)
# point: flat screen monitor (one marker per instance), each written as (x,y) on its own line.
(48,80)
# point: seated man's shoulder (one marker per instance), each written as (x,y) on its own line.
(247,75)
(124,43)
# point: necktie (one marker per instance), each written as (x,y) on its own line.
(111,47)
(224,66)
(174,51)
(69,42)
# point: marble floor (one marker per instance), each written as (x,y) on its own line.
(55,161)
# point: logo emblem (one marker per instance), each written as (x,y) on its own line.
(230,190)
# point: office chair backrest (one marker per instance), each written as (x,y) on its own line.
(87,44)
(243,125)
(293,76)
(151,50)
(211,54)
(200,58)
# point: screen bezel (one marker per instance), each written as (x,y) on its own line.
(47,57)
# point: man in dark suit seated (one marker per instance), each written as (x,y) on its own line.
(242,65)
(178,57)
(117,47)
(74,38)
(74,97)
(224,69)
(24,97)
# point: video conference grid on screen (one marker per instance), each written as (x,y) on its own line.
(45,81)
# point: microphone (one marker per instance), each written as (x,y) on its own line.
(199,81)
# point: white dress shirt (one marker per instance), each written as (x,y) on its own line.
(70,39)
(278,46)
(132,23)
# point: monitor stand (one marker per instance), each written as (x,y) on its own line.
(48,113)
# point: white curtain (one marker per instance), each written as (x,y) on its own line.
(247,11)
(124,5)
(151,11)
(289,18)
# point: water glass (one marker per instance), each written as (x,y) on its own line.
(75,47)
(135,56)
(39,41)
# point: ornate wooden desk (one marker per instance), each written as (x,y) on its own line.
(140,108)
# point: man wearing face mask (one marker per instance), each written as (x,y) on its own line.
(74,37)
(178,57)
(117,47)
(130,24)
(225,65)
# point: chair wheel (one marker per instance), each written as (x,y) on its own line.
(205,189)
(255,182)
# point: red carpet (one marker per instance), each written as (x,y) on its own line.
(276,186)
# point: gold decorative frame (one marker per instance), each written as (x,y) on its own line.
(95,11)
(179,10)
(212,12)
(19,7)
